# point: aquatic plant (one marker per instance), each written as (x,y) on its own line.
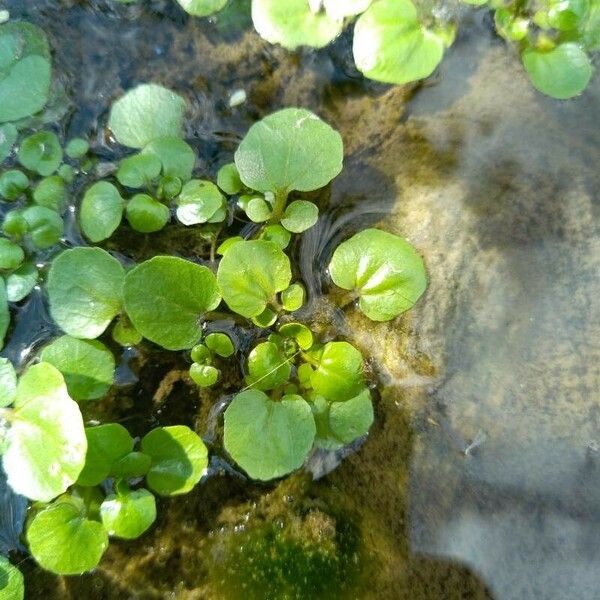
(12,586)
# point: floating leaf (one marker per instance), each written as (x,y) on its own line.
(88,366)
(51,192)
(268,439)
(77,148)
(41,152)
(11,255)
(134,464)
(204,375)
(268,367)
(202,8)
(12,184)
(293,23)
(46,443)
(146,113)
(44,225)
(128,514)
(384,270)
(76,543)
(291,149)
(220,343)
(179,459)
(292,298)
(351,419)
(339,375)
(228,179)
(147,215)
(165,298)
(561,73)
(258,210)
(106,445)
(177,157)
(392,45)
(299,216)
(199,202)
(250,275)
(139,170)
(12,586)
(84,289)
(276,233)
(20,282)
(301,333)
(101,211)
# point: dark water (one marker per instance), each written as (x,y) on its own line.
(484,451)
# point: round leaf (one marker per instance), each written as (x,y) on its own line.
(301,333)
(147,215)
(84,289)
(179,459)
(268,367)
(146,113)
(384,270)
(258,210)
(12,184)
(20,282)
(392,45)
(277,234)
(44,226)
(228,179)
(293,297)
(291,149)
(128,515)
(202,8)
(101,211)
(250,275)
(88,366)
(268,439)
(176,157)
(351,419)
(165,298)
(139,170)
(339,375)
(63,541)
(134,464)
(41,152)
(11,255)
(293,23)
(12,586)
(51,192)
(299,216)
(220,343)
(46,443)
(204,375)
(198,202)
(77,148)
(562,72)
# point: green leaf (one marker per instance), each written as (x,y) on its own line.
(228,179)
(25,71)
(201,354)
(4,312)
(88,366)
(128,515)
(292,298)
(266,318)
(258,210)
(198,202)
(177,157)
(351,419)
(51,192)
(277,234)
(179,459)
(101,211)
(204,375)
(146,113)
(250,275)
(338,9)
(12,184)
(339,375)
(169,187)
(268,439)
(299,216)
(62,540)
(139,170)
(202,8)
(268,367)
(84,290)
(220,343)
(41,152)
(384,270)
(561,73)
(392,45)
(44,226)
(66,173)
(8,137)
(228,243)
(12,586)
(14,224)
(147,215)
(8,382)
(301,333)
(293,23)
(46,443)
(165,298)
(107,444)
(125,334)
(134,464)
(77,148)
(291,149)
(11,255)
(20,282)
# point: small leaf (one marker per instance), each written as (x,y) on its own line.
(138,171)
(228,243)
(101,211)
(44,225)
(277,234)
(339,375)
(250,274)
(291,149)
(75,545)
(77,148)
(146,113)
(11,255)
(165,298)
(20,282)
(84,290)
(125,334)
(106,445)
(293,23)
(177,157)
(220,343)
(301,333)
(299,216)
(128,515)
(201,355)
(41,152)
(292,298)
(268,367)
(88,366)
(268,439)
(198,202)
(46,443)
(147,215)
(12,586)
(202,8)
(8,382)
(179,459)
(228,179)
(134,464)
(12,184)
(384,270)
(51,192)
(204,375)
(258,210)
(561,73)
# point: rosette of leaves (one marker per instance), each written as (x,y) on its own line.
(382,270)
(203,370)
(289,150)
(43,443)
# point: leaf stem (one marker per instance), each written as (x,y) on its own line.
(281,197)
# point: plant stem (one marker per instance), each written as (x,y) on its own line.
(281,197)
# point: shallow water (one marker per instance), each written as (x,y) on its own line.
(484,451)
